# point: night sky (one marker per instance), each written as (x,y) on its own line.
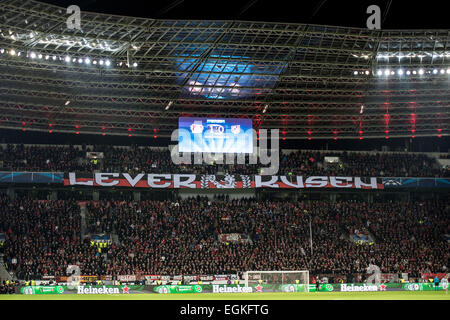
(397,14)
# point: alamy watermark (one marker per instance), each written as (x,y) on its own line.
(262,155)
(374,20)
(375,274)
(74,20)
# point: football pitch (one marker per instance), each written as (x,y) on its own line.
(400,295)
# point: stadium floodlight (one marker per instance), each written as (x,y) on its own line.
(387,72)
(355,73)
(442,71)
(101,62)
(32,55)
(392,72)
(47,57)
(2,51)
(107,62)
(94,62)
(40,56)
(400,72)
(135,64)
(367,72)
(80,60)
(448,71)
(87,61)
(408,72)
(168,105)
(54,58)
(435,71)
(421,71)
(379,72)
(414,72)
(12,52)
(67,102)
(67,59)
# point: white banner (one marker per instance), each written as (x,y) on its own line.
(126,278)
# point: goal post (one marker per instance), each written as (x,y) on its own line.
(278,281)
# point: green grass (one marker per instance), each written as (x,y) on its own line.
(389,295)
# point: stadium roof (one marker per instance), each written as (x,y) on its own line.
(124,75)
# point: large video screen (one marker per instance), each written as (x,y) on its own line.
(224,135)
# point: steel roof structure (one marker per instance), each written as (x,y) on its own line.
(309,81)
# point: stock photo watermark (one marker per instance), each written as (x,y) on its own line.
(74,20)
(261,153)
(374,20)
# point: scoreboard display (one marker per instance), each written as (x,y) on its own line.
(217,135)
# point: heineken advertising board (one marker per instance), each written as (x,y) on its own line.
(42,290)
(108,289)
(231,288)
(178,289)
(421,287)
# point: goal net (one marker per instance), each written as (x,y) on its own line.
(277,281)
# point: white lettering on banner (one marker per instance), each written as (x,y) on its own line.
(338,183)
(100,177)
(103,290)
(226,289)
(73,181)
(152,180)
(348,288)
(298,185)
(230,181)
(259,183)
(316,182)
(177,183)
(372,185)
(126,277)
(132,181)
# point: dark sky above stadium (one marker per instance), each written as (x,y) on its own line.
(396,14)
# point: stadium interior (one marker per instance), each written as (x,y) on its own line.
(90,193)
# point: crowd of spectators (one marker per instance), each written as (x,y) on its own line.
(7,288)
(42,158)
(166,237)
(136,159)
(44,237)
(360,164)
(182,237)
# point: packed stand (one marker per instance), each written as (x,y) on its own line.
(42,158)
(182,237)
(360,164)
(8,287)
(136,159)
(44,237)
(165,237)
